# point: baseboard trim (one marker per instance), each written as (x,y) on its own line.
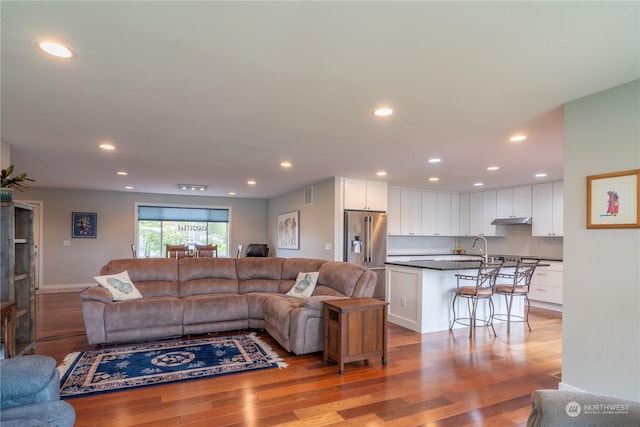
(546,305)
(72,287)
(567,387)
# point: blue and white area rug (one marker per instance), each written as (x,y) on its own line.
(115,369)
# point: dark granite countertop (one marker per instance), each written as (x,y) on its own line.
(449,265)
(495,256)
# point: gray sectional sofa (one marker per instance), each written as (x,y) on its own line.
(201,295)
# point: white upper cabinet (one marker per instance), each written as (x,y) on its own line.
(362,194)
(547,209)
(410,212)
(439,213)
(414,212)
(393,216)
(463,218)
(513,202)
(482,210)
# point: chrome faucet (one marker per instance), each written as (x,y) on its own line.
(484,253)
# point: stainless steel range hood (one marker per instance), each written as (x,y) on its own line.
(511,221)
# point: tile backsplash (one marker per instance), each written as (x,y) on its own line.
(514,240)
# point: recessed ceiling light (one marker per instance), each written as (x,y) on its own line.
(251,182)
(107,146)
(516,138)
(541,175)
(478,184)
(192,187)
(123,173)
(128,187)
(381,173)
(435,160)
(493,168)
(383,111)
(285,164)
(55,49)
(434,179)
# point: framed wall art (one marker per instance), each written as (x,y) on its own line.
(288,227)
(613,200)
(84,224)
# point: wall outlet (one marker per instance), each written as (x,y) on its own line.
(327,246)
(66,243)
(403,302)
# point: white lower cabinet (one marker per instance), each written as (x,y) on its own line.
(546,286)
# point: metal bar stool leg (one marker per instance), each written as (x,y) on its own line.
(509,304)
(453,308)
(527,313)
(472,322)
(491,313)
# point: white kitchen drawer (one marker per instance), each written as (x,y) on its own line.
(545,277)
(545,293)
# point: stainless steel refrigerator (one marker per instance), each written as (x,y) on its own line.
(365,243)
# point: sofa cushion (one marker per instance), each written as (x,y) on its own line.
(154,277)
(200,276)
(214,308)
(277,314)
(256,302)
(119,286)
(292,266)
(142,313)
(338,278)
(157,289)
(144,269)
(259,274)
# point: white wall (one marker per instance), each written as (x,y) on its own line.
(601,310)
(317,221)
(78,263)
(5,154)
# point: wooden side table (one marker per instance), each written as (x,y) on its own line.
(8,314)
(355,329)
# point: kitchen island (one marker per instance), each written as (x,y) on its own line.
(420,294)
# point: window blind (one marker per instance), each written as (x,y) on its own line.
(168,213)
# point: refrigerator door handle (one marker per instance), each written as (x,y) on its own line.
(368,220)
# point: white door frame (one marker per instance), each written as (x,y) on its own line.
(38,207)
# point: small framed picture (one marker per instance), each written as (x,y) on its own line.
(613,200)
(289,230)
(84,224)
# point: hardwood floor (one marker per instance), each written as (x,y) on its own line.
(435,379)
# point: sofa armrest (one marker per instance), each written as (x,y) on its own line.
(28,379)
(317,302)
(571,408)
(97,293)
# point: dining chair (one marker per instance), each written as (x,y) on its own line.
(206,251)
(176,251)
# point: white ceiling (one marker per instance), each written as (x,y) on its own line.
(217,93)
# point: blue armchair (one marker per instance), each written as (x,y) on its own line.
(30,393)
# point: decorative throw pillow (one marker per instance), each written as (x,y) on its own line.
(120,286)
(304,286)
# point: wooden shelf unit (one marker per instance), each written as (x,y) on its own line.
(17,279)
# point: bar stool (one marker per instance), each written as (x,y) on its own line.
(518,286)
(483,288)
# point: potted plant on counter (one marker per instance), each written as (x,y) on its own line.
(9,181)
